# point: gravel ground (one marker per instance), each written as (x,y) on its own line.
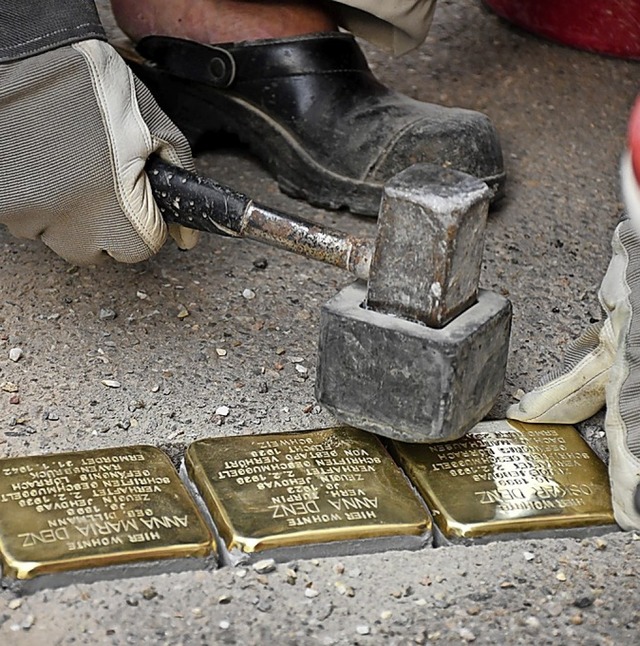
(210,342)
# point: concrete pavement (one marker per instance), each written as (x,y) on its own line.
(562,118)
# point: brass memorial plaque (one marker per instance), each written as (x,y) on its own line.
(328,486)
(509,478)
(95,508)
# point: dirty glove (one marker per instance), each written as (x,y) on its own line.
(603,366)
(576,391)
(77,129)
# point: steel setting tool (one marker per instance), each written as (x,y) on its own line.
(417,352)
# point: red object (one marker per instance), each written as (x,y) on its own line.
(604,26)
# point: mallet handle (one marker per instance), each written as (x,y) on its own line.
(201,203)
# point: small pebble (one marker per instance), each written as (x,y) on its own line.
(292,576)
(264,605)
(15,354)
(529,556)
(467,635)
(107,314)
(183,312)
(149,593)
(386,614)
(600,544)
(223,411)
(421,637)
(110,383)
(264,566)
(143,296)
(248,294)
(14,604)
(533,624)
(583,602)
(224,625)
(301,369)
(221,352)
(561,576)
(345,590)
(260,263)
(28,622)
(9,387)
(310,593)
(363,630)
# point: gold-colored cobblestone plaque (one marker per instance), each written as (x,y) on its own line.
(509,478)
(268,492)
(90,509)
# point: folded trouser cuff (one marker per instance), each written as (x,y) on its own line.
(398,26)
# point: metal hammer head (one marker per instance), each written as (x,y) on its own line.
(428,251)
(425,360)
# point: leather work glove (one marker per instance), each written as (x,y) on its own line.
(603,365)
(77,129)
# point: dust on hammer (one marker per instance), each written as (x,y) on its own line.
(418,353)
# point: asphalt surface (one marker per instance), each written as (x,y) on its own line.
(562,117)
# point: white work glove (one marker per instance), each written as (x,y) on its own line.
(603,365)
(76,131)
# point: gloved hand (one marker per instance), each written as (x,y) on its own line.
(77,129)
(603,366)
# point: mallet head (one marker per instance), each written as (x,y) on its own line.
(403,358)
(428,250)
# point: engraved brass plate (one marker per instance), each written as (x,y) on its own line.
(510,477)
(291,489)
(95,508)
